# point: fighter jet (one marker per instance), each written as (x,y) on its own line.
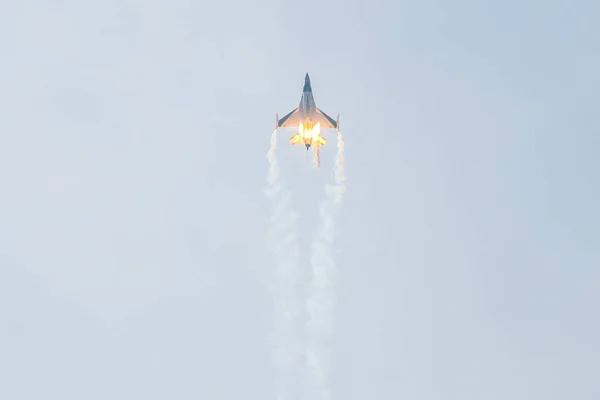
(309,119)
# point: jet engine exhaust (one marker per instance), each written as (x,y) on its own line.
(282,239)
(321,297)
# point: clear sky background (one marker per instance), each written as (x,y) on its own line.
(133,137)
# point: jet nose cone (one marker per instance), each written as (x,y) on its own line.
(307,87)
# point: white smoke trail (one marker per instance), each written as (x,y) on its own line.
(321,296)
(282,239)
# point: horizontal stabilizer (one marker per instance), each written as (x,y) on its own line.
(296,139)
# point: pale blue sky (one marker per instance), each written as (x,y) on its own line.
(132,216)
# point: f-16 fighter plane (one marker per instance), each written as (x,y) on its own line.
(309,119)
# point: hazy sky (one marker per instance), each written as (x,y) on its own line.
(133,137)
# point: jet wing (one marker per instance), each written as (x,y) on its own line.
(325,120)
(292,119)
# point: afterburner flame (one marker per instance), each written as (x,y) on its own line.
(308,135)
